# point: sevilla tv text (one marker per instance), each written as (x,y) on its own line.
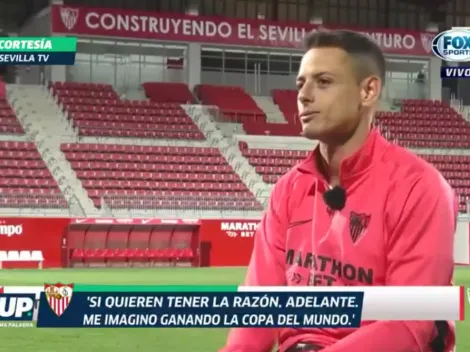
(24,58)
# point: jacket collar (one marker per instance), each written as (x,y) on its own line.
(353,166)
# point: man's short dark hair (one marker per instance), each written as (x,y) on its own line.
(366,55)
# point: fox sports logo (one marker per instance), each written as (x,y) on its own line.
(452,45)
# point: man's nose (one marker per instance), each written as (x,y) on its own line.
(305,97)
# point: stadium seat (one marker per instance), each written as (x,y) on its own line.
(37,256)
(13,256)
(169,253)
(120,255)
(101,254)
(154,255)
(25,255)
(132,253)
(185,254)
(138,257)
(89,255)
(3,257)
(78,255)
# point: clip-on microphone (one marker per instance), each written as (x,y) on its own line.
(335,198)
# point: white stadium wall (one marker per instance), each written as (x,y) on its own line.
(39,25)
(462,242)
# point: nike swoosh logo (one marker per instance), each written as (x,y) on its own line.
(298,223)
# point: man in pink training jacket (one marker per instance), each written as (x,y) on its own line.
(397,224)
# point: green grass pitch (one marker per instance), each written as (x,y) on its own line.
(141,340)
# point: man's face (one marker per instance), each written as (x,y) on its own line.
(329,95)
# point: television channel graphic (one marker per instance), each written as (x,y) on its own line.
(38,51)
(452,45)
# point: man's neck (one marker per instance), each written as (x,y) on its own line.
(333,154)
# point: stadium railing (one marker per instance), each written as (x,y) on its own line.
(216,115)
(40,204)
(176,206)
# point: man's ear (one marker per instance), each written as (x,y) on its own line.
(371,88)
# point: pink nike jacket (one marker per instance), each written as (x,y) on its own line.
(396,229)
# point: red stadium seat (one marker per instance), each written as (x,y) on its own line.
(154,255)
(136,256)
(78,255)
(89,254)
(188,253)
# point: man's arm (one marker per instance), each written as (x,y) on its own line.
(420,253)
(266,268)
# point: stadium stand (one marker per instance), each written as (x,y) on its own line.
(286,100)
(25,180)
(272,163)
(146,176)
(434,120)
(158,152)
(195,177)
(234,103)
(271,129)
(427,124)
(97,110)
(200,177)
(182,175)
(167,92)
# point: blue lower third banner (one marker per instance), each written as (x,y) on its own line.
(201,309)
(33,58)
